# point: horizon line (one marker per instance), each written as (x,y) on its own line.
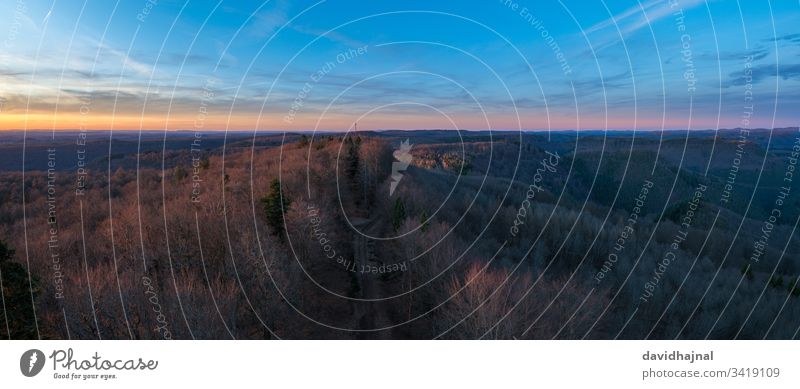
(278,131)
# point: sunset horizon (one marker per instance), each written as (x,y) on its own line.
(285,66)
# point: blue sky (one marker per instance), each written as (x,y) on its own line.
(292,65)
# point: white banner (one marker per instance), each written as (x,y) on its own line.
(396,364)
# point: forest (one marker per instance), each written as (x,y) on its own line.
(483,235)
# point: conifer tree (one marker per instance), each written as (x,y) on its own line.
(275,205)
(17,319)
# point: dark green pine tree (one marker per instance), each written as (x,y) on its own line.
(275,205)
(352,161)
(423,220)
(398,214)
(180,173)
(16,314)
(303,141)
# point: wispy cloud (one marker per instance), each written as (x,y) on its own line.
(333,36)
(760,73)
(269,20)
(47,17)
(637,17)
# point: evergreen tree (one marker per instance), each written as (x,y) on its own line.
(423,220)
(303,142)
(16,314)
(352,161)
(794,288)
(352,168)
(275,205)
(180,173)
(398,214)
(747,271)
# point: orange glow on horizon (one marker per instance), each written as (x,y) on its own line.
(102,121)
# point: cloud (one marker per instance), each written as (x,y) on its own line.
(793,38)
(269,21)
(103,55)
(735,55)
(333,36)
(47,17)
(635,18)
(762,72)
(266,22)
(607,83)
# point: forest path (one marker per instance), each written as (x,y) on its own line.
(370,315)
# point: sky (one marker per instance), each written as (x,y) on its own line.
(467,65)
